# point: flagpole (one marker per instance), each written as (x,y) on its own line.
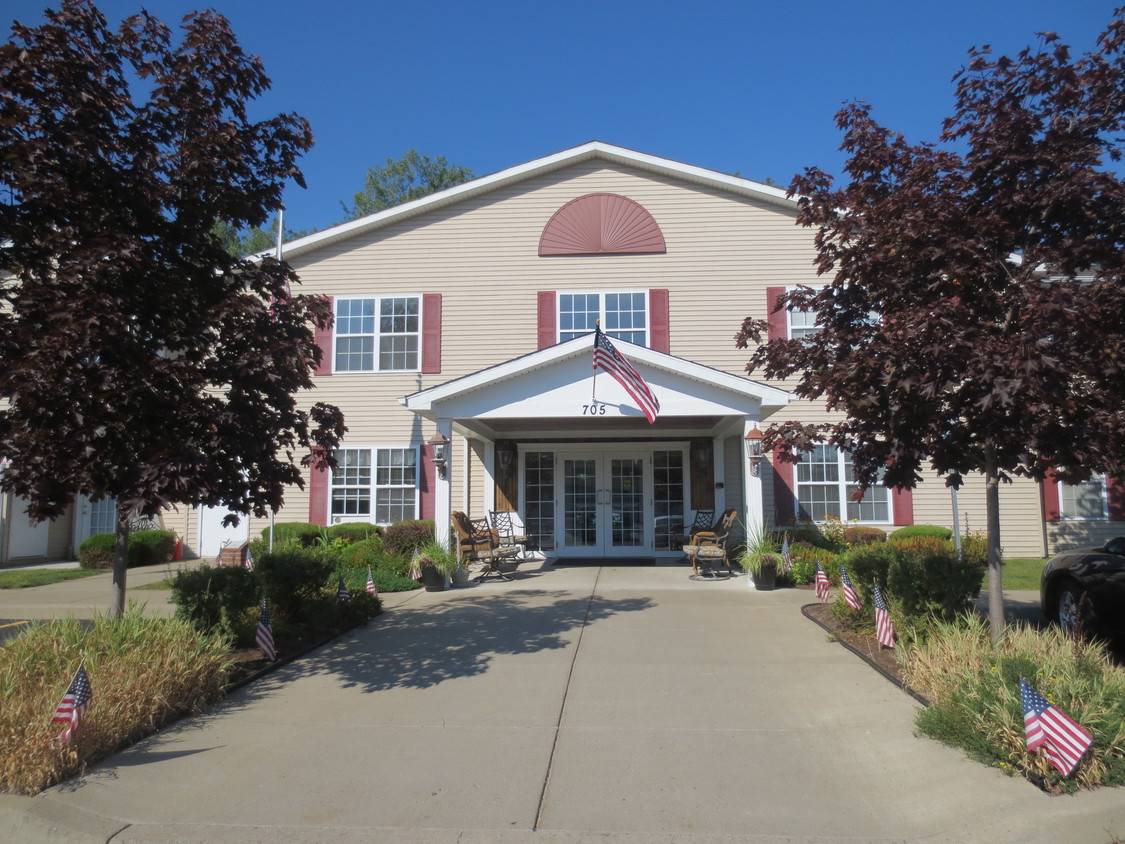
(594,380)
(280,229)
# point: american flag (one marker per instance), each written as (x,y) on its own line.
(884,630)
(342,593)
(613,362)
(1050,727)
(785,554)
(265,633)
(849,591)
(371,590)
(821,583)
(249,560)
(74,704)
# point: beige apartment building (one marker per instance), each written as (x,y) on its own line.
(466,318)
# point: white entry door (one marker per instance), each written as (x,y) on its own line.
(604,505)
(27,539)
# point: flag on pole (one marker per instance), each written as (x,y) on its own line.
(849,591)
(884,630)
(786,556)
(612,361)
(1050,727)
(74,704)
(342,593)
(265,633)
(371,590)
(821,583)
(249,560)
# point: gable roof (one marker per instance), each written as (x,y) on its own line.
(594,150)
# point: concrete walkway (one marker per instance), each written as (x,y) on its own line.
(612,705)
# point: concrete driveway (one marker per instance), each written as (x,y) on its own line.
(581,704)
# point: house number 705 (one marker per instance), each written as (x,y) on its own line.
(593,410)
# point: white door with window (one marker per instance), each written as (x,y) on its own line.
(93,517)
(26,539)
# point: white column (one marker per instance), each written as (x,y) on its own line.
(719,470)
(442,492)
(489,477)
(754,518)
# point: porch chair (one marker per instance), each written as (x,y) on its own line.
(479,544)
(504,526)
(711,544)
(703,520)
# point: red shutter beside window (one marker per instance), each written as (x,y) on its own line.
(784,499)
(548,319)
(431,333)
(658,338)
(318,497)
(778,322)
(427,477)
(902,504)
(1115,492)
(324,340)
(1052,512)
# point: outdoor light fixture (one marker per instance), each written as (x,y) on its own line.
(754,450)
(506,455)
(439,448)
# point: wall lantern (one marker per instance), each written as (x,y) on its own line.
(506,452)
(439,451)
(753,441)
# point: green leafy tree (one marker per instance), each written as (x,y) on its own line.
(410,177)
(972,313)
(139,358)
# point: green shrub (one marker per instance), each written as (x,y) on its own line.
(97,551)
(407,537)
(370,553)
(869,563)
(150,547)
(811,534)
(215,600)
(974,547)
(385,581)
(354,531)
(921,544)
(292,579)
(936,531)
(146,548)
(934,583)
(805,557)
(301,533)
(863,535)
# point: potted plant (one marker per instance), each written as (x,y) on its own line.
(436,564)
(760,560)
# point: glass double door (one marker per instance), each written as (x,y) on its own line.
(603,500)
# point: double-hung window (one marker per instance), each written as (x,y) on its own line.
(825,480)
(377,334)
(375,484)
(802,324)
(623,315)
(1084,500)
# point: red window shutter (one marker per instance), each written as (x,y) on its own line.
(324,340)
(658,337)
(431,333)
(427,482)
(1115,492)
(902,503)
(1052,512)
(784,499)
(318,497)
(548,319)
(778,322)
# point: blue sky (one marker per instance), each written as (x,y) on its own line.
(748,87)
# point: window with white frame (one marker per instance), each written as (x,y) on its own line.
(375,484)
(802,323)
(378,334)
(1084,500)
(623,315)
(825,480)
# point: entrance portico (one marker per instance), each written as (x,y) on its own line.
(569,451)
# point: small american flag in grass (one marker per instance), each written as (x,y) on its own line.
(849,591)
(74,704)
(249,561)
(342,593)
(884,630)
(265,634)
(1048,726)
(371,590)
(786,555)
(822,583)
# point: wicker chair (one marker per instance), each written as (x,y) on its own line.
(711,544)
(480,544)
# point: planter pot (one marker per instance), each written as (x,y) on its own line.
(460,577)
(767,577)
(432,579)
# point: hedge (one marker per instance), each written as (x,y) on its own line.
(301,533)
(146,548)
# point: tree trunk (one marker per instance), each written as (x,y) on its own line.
(120,562)
(995,563)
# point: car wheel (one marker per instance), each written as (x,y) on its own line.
(1069,598)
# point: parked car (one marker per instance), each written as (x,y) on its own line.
(1093,578)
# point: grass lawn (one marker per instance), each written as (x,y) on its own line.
(166,583)
(23,578)
(1023,572)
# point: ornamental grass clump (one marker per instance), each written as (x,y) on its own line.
(144,672)
(975,698)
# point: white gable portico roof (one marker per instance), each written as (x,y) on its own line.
(551,391)
(586,152)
